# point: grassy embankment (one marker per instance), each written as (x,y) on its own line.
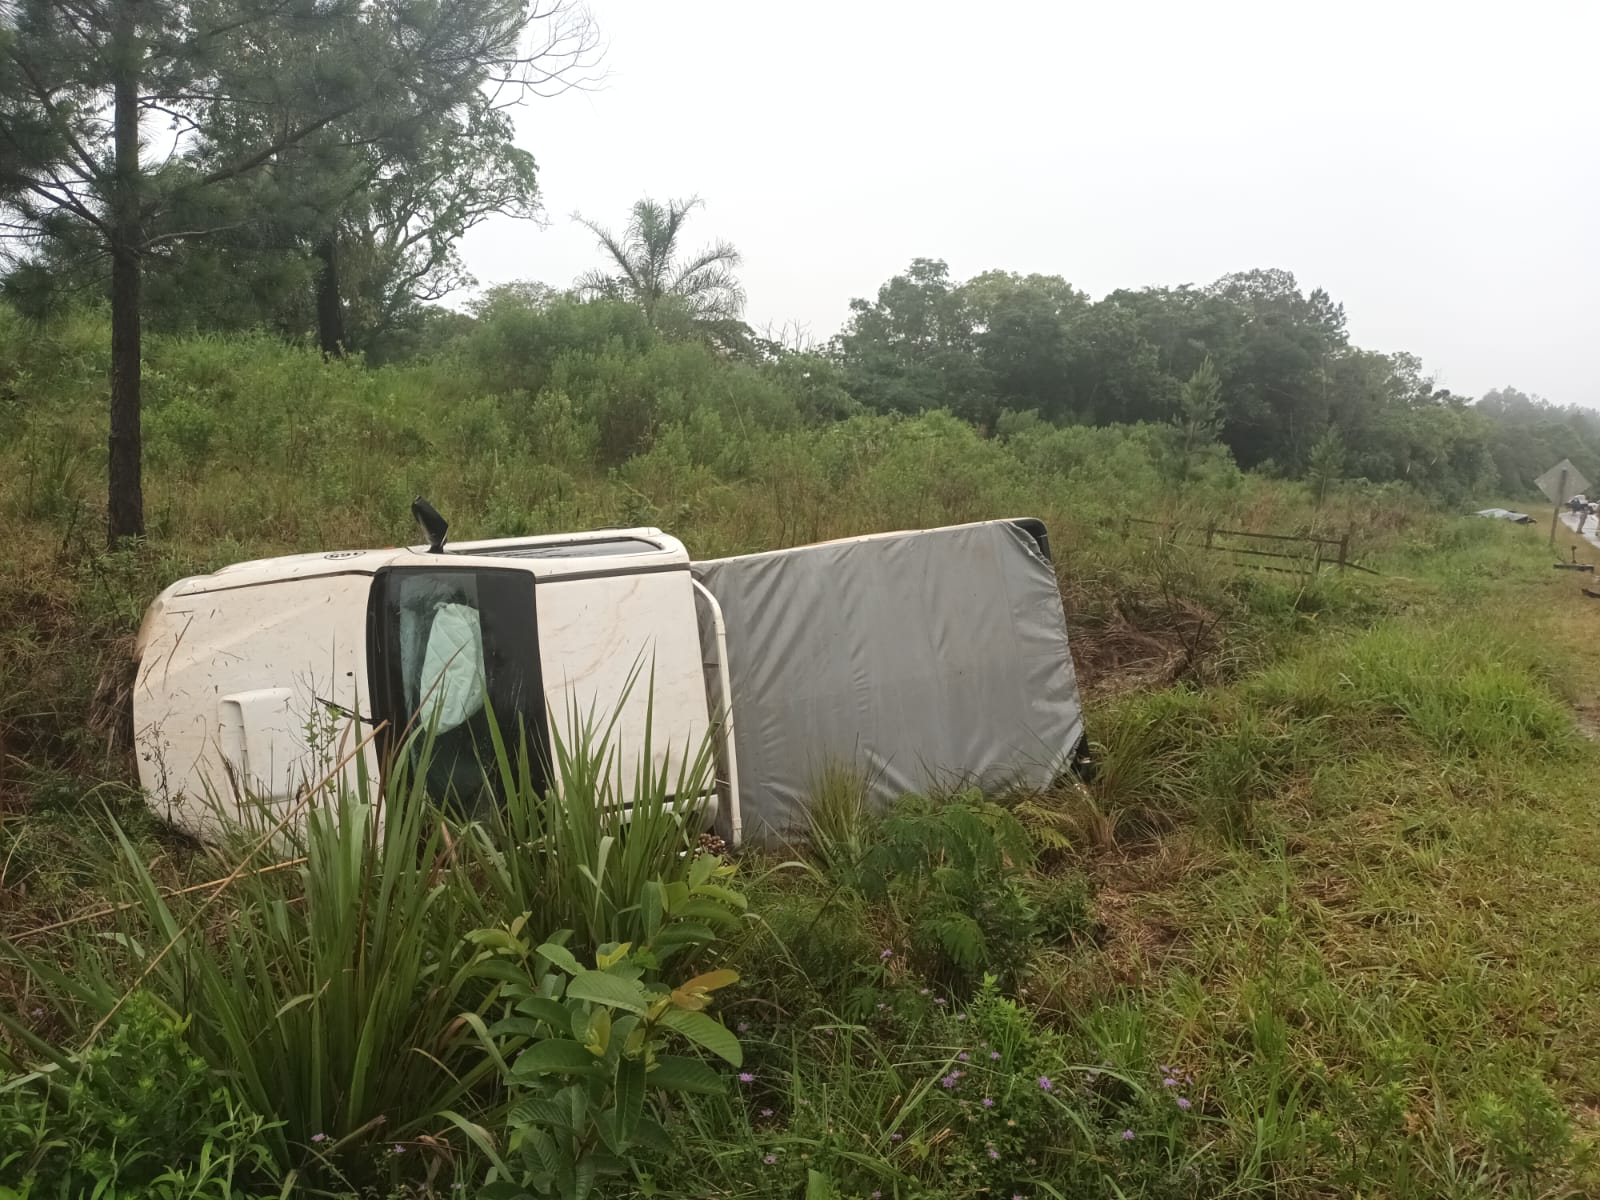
(1336,880)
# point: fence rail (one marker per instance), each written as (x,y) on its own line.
(1314,552)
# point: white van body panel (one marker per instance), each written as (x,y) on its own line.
(233,689)
(625,649)
(238,669)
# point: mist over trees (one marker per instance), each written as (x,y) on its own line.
(309,169)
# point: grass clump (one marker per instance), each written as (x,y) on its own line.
(1334,879)
(346,982)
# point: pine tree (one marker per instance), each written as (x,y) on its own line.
(130,127)
(1198,420)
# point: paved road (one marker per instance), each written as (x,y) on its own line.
(1591,528)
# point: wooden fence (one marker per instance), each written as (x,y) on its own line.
(1308,552)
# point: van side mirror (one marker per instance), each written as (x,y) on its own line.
(434,527)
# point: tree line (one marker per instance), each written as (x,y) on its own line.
(309,166)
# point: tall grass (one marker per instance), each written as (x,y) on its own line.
(1466,691)
(329,994)
(582,853)
(336,995)
(1337,880)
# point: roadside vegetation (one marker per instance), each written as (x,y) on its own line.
(1322,924)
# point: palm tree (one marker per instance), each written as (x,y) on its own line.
(703,287)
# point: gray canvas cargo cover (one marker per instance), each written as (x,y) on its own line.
(917,659)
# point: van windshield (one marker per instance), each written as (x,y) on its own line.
(445,642)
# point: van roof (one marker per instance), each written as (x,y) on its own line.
(544,554)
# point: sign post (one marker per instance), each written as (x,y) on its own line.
(1555,516)
(1558,484)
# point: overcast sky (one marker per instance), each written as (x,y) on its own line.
(1435,166)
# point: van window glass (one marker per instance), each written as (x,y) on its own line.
(446,640)
(450,685)
(609,548)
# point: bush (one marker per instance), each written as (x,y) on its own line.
(136,1114)
(580,1047)
(953,869)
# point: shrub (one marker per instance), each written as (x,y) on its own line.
(331,997)
(136,1114)
(578,1049)
(585,853)
(953,869)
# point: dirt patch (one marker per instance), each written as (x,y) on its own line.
(1587,717)
(1128,893)
(1134,944)
(1124,643)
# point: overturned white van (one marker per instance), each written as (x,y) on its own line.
(916,658)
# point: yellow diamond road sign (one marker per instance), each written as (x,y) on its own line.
(1550,483)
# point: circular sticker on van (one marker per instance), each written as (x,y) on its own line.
(344,554)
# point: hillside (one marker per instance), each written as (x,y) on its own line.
(1322,925)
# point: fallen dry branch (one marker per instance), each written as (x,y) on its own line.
(166,894)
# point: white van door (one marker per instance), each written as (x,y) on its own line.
(620,652)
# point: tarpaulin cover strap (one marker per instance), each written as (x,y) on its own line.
(920,659)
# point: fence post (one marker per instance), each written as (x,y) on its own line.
(1211,529)
(1344,550)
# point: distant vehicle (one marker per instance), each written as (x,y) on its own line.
(1505,514)
(916,658)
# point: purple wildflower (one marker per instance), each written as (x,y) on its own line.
(940,1000)
(923,992)
(397,1148)
(319,1137)
(877,1196)
(766,1112)
(993,1153)
(746,1077)
(1127,1135)
(883,954)
(895,1137)
(1165,1070)
(963,1056)
(1183,1102)
(1169,1081)
(1045,1085)
(949,1081)
(769,1159)
(961,1016)
(744,1027)
(1017,1195)
(988,1102)
(994,1056)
